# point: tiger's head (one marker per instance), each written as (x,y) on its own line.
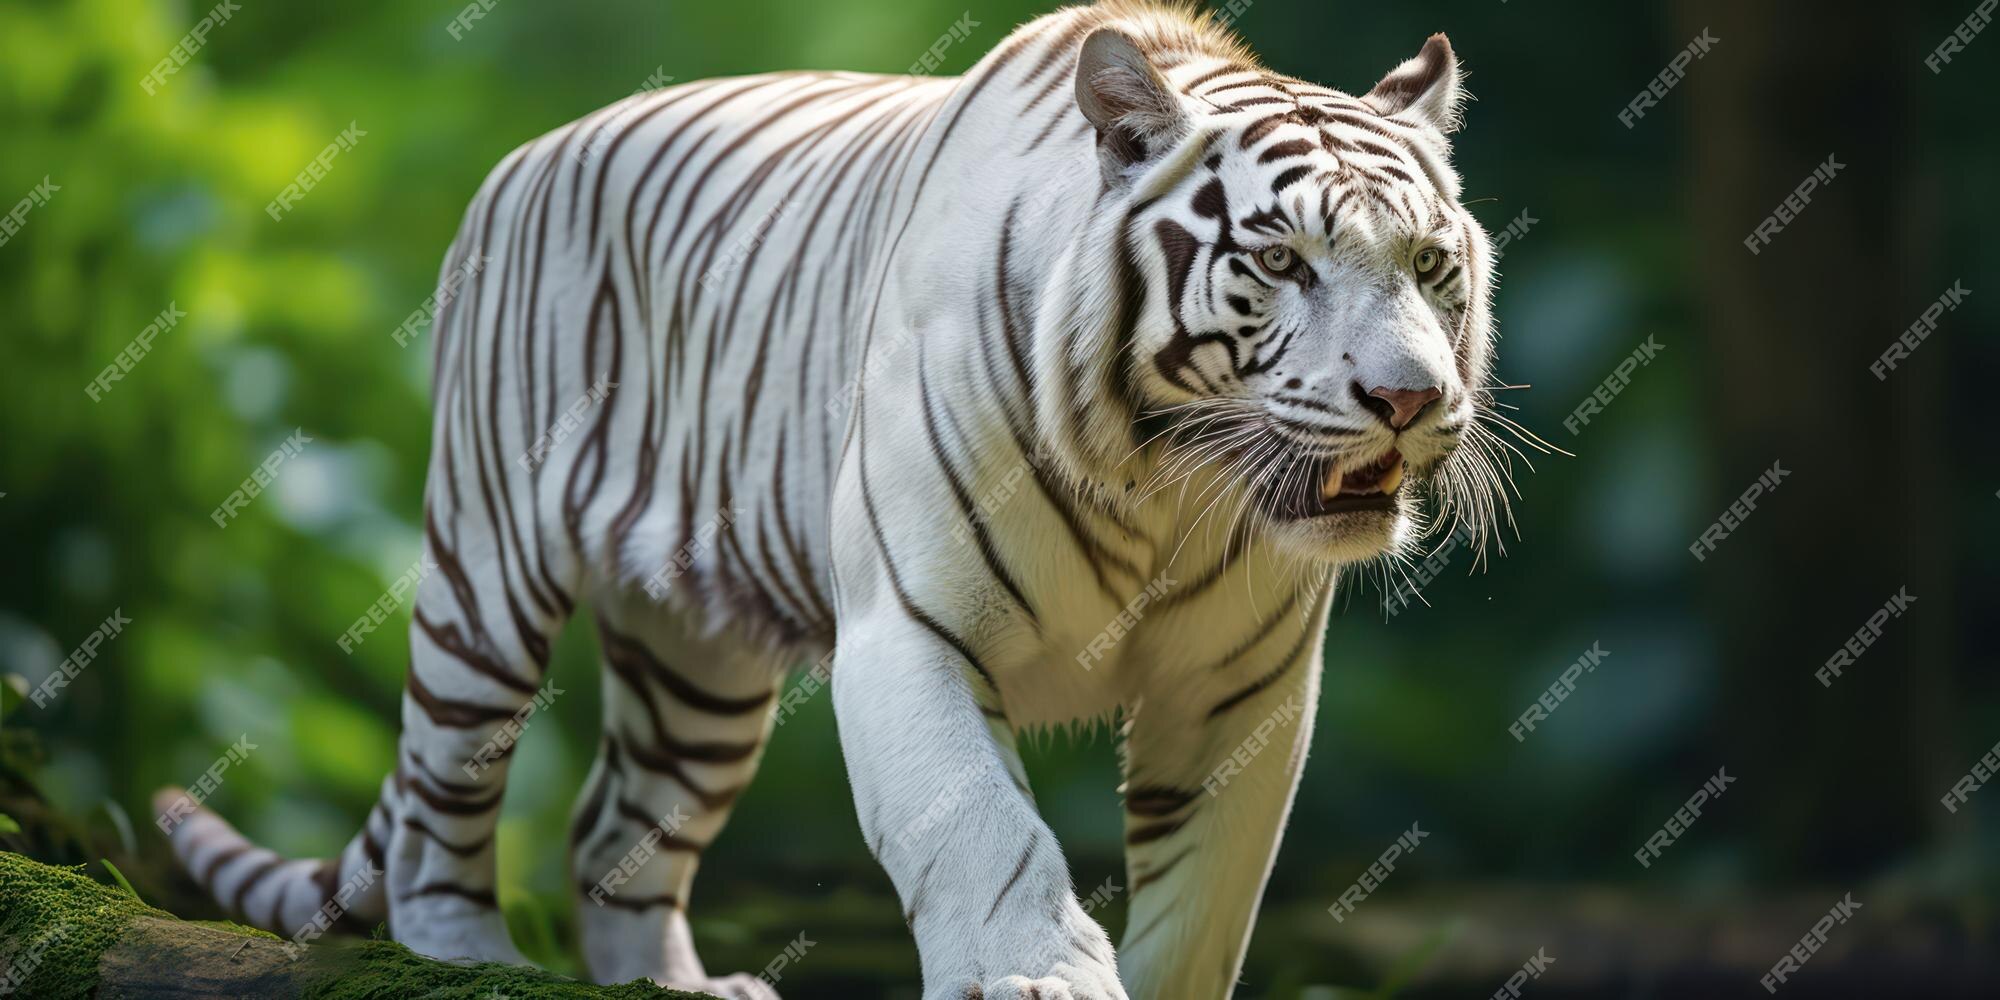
(1312,329)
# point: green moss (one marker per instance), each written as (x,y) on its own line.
(55,923)
(384,970)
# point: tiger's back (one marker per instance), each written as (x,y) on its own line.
(672,297)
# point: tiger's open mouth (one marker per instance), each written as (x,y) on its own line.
(1327,487)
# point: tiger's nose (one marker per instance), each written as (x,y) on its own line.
(1399,407)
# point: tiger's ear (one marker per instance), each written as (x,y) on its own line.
(1137,113)
(1425,88)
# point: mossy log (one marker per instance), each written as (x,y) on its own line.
(65,936)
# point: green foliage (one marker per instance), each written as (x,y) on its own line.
(13,693)
(119,877)
(1408,965)
(533,928)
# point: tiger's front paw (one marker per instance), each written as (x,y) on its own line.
(1063,982)
(1020,951)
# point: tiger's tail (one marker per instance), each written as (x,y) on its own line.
(297,899)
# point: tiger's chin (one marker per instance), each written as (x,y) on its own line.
(1345,536)
(1341,515)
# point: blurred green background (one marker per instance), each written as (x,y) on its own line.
(1636,233)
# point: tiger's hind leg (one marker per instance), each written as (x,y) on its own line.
(685,720)
(479,643)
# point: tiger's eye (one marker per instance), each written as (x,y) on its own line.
(1428,260)
(1277,259)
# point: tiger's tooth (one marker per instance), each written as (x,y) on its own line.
(1331,487)
(1393,478)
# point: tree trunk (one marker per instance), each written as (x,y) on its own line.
(1845,776)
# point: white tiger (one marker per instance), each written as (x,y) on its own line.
(1055,392)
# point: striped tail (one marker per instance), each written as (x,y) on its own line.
(299,899)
